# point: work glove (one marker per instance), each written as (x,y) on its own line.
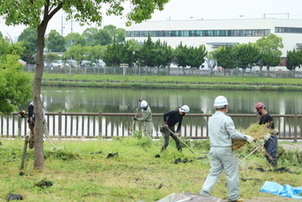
(165,125)
(267,136)
(249,138)
(134,119)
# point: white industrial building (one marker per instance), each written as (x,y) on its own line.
(215,33)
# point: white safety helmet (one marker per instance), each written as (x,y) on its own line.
(144,104)
(184,108)
(220,102)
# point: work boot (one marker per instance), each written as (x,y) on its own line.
(238,200)
(204,193)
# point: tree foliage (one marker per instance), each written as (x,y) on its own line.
(74,39)
(51,57)
(247,54)
(270,53)
(38,13)
(225,57)
(15,86)
(55,42)
(294,59)
(102,37)
(28,38)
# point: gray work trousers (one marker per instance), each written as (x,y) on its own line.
(223,158)
(167,133)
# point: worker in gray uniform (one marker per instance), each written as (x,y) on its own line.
(221,132)
(146,118)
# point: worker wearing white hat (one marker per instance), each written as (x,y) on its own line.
(221,132)
(170,120)
(146,118)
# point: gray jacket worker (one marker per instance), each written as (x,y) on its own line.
(221,132)
(146,118)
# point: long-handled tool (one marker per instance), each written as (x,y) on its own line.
(136,113)
(45,134)
(260,145)
(180,140)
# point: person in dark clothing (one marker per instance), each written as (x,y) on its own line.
(31,122)
(271,142)
(170,120)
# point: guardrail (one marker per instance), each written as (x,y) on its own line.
(110,125)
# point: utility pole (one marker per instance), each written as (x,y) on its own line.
(71,26)
(62,26)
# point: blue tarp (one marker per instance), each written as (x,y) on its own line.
(285,191)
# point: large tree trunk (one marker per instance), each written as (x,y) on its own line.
(39,129)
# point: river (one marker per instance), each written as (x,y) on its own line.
(113,100)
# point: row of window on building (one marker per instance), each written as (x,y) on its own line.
(212,33)
(288,30)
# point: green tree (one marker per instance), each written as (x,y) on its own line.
(179,55)
(29,40)
(95,53)
(225,57)
(15,85)
(196,55)
(246,55)
(113,54)
(55,42)
(146,53)
(37,14)
(270,53)
(117,33)
(162,54)
(74,39)
(51,57)
(77,53)
(293,60)
(131,49)
(102,37)
(88,35)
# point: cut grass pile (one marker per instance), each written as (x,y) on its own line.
(254,130)
(81,170)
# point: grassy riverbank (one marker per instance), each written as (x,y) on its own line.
(81,171)
(188,82)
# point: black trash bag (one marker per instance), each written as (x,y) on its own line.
(44,183)
(10,197)
(110,155)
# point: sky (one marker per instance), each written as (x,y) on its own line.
(183,10)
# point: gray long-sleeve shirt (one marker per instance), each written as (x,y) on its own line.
(146,115)
(222,130)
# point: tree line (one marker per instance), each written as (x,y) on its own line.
(108,44)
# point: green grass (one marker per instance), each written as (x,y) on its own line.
(172,79)
(193,82)
(80,171)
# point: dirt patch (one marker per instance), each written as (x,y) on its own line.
(297,146)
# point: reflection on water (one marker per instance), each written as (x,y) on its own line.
(163,100)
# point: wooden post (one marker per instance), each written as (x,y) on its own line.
(124,66)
